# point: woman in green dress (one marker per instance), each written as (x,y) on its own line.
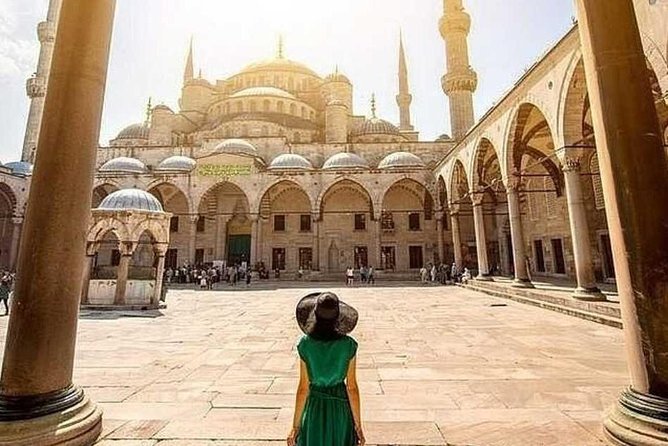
(327,408)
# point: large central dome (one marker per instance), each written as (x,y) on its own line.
(279,64)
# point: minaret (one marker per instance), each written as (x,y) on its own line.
(404,98)
(460,81)
(189,73)
(36,85)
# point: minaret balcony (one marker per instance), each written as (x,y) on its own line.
(454,23)
(46,32)
(460,80)
(35,87)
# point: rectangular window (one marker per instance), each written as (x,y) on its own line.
(414,222)
(174,224)
(306,258)
(199,257)
(201,223)
(305,223)
(115,257)
(387,221)
(540,256)
(361,256)
(279,223)
(558,251)
(360,222)
(415,257)
(388,258)
(278,259)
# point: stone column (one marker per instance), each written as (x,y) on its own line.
(160,250)
(480,237)
(378,243)
(253,250)
(316,241)
(260,241)
(522,279)
(440,215)
(38,402)
(17,223)
(456,239)
(192,238)
(577,213)
(220,249)
(127,250)
(633,171)
(91,251)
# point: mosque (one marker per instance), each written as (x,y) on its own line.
(273,165)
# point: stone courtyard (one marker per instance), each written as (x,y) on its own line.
(438,366)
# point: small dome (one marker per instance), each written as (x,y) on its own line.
(376,126)
(444,138)
(134,131)
(345,160)
(123,164)
(178,163)
(131,199)
(400,160)
(290,161)
(20,168)
(236,146)
(337,77)
(262,91)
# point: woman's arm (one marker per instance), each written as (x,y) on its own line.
(354,397)
(300,402)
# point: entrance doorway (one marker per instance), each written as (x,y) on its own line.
(558,253)
(540,257)
(606,253)
(238,249)
(388,258)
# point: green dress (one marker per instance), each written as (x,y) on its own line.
(327,419)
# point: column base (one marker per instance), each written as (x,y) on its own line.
(78,425)
(522,283)
(637,420)
(589,294)
(484,278)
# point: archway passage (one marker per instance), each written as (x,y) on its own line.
(347,226)
(488,181)
(446,254)
(182,236)
(408,227)
(286,233)
(463,226)
(227,232)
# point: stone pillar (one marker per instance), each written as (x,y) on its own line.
(260,241)
(633,168)
(220,250)
(192,238)
(17,223)
(577,213)
(160,250)
(253,250)
(522,279)
(127,250)
(441,241)
(456,239)
(316,241)
(91,251)
(480,238)
(38,402)
(378,243)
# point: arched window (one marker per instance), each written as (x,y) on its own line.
(280,106)
(291,84)
(596,182)
(293,109)
(266,105)
(304,115)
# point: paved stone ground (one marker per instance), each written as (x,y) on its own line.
(438,366)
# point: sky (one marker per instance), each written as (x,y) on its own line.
(359,36)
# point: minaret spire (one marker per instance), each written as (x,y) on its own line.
(460,81)
(281,47)
(36,85)
(404,98)
(189,73)
(373,105)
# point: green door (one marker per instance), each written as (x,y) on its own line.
(238,249)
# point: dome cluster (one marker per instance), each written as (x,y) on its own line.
(345,160)
(124,165)
(177,163)
(376,126)
(131,199)
(401,160)
(290,161)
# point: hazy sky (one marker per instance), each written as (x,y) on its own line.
(361,36)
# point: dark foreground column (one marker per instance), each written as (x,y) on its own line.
(634,176)
(38,403)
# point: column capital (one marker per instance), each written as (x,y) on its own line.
(572,164)
(477,198)
(440,215)
(160,249)
(454,209)
(17,221)
(194,219)
(127,249)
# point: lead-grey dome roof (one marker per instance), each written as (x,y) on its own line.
(290,161)
(346,160)
(376,126)
(399,160)
(236,146)
(20,168)
(178,163)
(131,199)
(134,131)
(123,164)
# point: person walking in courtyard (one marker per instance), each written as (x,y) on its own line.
(350,276)
(4,293)
(327,406)
(371,278)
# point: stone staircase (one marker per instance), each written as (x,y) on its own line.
(606,313)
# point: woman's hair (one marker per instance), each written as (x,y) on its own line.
(325,330)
